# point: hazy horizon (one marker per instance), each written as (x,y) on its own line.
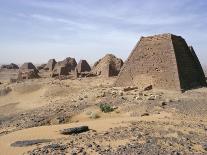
(37,30)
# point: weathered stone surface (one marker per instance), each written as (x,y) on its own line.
(41,67)
(10,66)
(130,88)
(64,67)
(29,142)
(29,74)
(107,66)
(50,65)
(75,130)
(145,114)
(53,149)
(28,66)
(148,88)
(28,71)
(83,66)
(163,61)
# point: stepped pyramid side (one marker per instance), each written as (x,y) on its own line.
(158,61)
(191,74)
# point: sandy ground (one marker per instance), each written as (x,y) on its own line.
(34,108)
(52,132)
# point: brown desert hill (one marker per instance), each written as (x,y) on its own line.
(83,66)
(108,66)
(164,61)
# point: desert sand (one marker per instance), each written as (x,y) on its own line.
(143,121)
(111,108)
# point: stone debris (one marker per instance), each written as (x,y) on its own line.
(129,89)
(75,130)
(148,88)
(26,143)
(141,137)
(50,149)
(145,114)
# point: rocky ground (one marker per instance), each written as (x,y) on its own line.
(143,122)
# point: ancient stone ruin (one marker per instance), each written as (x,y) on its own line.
(64,67)
(10,66)
(107,66)
(50,65)
(41,67)
(28,71)
(83,66)
(163,61)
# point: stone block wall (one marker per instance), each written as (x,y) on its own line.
(158,61)
(190,71)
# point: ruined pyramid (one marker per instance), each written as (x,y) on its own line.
(164,61)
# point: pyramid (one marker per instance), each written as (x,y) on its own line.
(50,65)
(28,71)
(64,67)
(83,66)
(107,66)
(28,66)
(164,61)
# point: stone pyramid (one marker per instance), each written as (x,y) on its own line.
(50,65)
(28,66)
(107,66)
(83,66)
(164,61)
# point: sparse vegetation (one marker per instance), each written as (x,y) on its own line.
(106,108)
(94,115)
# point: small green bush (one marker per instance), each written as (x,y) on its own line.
(106,108)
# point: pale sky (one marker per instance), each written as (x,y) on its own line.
(37,30)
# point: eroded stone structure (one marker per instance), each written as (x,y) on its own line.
(107,66)
(10,66)
(83,66)
(50,65)
(28,71)
(64,67)
(163,61)
(41,67)
(27,66)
